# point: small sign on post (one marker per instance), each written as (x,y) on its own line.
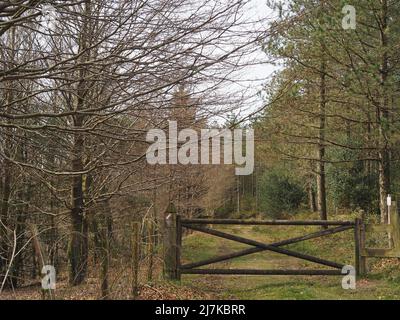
(389,200)
(389,204)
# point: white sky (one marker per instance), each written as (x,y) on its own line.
(253,78)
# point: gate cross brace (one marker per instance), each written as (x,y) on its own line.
(259,246)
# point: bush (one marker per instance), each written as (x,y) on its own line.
(225,211)
(279,194)
(351,187)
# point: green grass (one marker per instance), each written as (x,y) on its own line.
(381,283)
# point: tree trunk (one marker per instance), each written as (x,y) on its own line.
(4,245)
(19,222)
(383,119)
(105,252)
(78,248)
(311,198)
(321,191)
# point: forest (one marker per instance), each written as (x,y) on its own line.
(83,82)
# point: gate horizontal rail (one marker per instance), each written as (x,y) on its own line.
(264,272)
(269,222)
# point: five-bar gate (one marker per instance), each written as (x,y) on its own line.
(174,225)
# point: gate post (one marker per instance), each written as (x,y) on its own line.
(363,258)
(395,222)
(135,258)
(359,239)
(170,244)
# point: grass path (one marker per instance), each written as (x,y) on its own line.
(382,283)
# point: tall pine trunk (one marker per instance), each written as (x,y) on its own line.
(321,190)
(383,118)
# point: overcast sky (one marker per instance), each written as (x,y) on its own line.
(253,78)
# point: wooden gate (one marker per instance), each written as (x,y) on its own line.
(174,224)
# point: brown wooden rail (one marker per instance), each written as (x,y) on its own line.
(269,222)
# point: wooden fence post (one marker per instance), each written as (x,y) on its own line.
(135,258)
(395,222)
(170,247)
(178,247)
(363,258)
(150,249)
(389,216)
(357,245)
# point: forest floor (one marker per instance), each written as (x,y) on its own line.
(382,282)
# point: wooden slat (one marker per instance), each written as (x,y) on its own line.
(378,228)
(263,272)
(380,253)
(269,222)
